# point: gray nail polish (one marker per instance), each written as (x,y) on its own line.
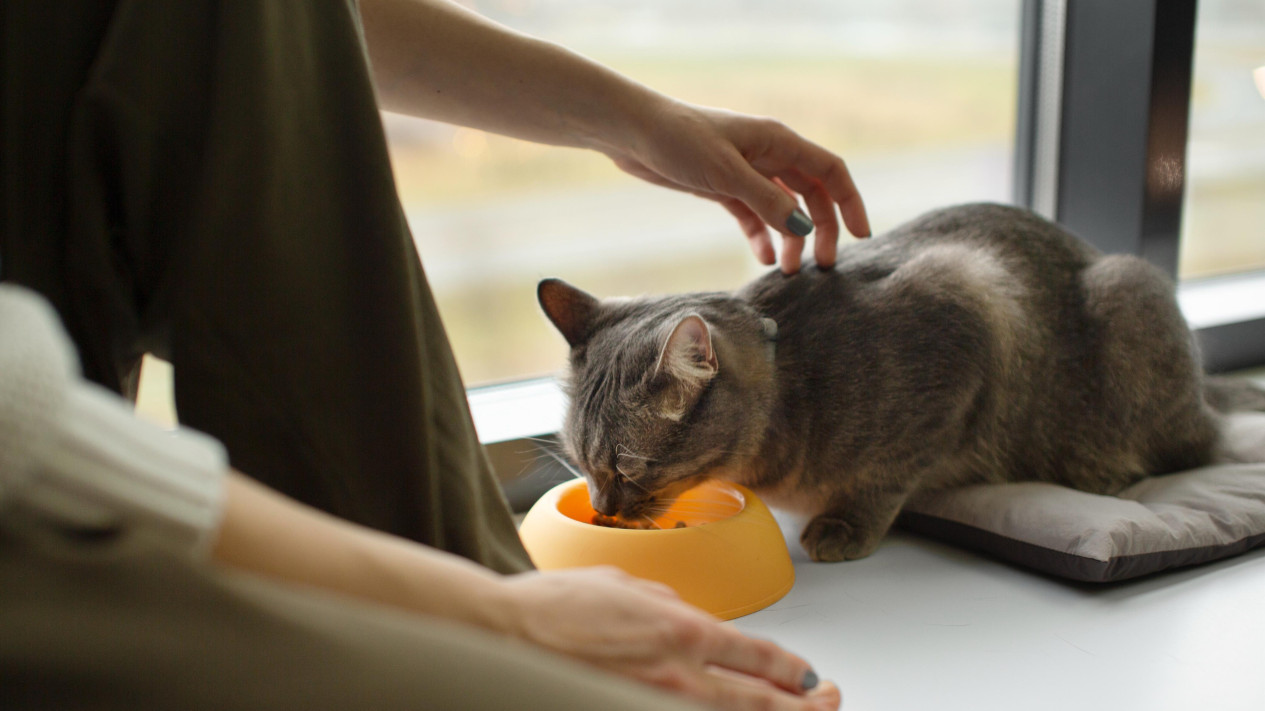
(799,224)
(810,680)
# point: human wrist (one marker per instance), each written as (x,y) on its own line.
(498,606)
(613,114)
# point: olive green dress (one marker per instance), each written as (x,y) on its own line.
(209,182)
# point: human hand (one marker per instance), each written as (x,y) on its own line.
(642,630)
(753,167)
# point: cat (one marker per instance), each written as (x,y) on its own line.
(977,343)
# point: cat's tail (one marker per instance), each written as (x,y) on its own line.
(1240,406)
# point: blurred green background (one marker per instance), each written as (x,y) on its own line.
(918,96)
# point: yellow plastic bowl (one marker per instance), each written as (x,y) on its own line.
(730,559)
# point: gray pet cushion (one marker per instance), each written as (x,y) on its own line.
(1157,524)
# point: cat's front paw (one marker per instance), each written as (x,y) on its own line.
(829,539)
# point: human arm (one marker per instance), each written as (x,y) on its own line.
(434,59)
(72,453)
(600,616)
(73,456)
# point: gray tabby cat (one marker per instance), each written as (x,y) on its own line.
(977,343)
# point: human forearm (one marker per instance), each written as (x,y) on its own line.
(434,59)
(437,60)
(600,616)
(74,455)
(265,533)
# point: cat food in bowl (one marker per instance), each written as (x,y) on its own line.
(717,545)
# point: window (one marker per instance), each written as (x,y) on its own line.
(1223,231)
(1106,123)
(1223,242)
(918,96)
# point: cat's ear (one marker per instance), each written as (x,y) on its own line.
(688,360)
(570,309)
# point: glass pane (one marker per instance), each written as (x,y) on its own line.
(1224,216)
(918,96)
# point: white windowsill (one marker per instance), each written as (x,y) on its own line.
(528,408)
(532,408)
(1216,301)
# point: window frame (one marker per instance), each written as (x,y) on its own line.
(1102,155)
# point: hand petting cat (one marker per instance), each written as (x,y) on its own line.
(641,629)
(600,616)
(497,80)
(754,167)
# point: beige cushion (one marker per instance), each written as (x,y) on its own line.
(1159,523)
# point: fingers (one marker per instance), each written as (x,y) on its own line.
(696,636)
(720,666)
(822,209)
(735,691)
(773,205)
(762,194)
(760,659)
(834,175)
(792,254)
(827,695)
(805,165)
(753,227)
(783,159)
(641,629)
(745,163)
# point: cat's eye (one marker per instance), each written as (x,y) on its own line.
(631,465)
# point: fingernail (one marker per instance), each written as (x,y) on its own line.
(810,680)
(799,224)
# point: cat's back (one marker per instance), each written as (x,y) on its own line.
(998,335)
(914,322)
(1015,235)
(983,247)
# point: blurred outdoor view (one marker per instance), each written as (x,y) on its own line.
(1224,225)
(919,96)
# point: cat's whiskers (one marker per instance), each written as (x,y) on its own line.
(563,462)
(629,453)
(631,480)
(540,451)
(549,444)
(536,456)
(531,470)
(623,451)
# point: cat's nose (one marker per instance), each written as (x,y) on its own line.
(604,499)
